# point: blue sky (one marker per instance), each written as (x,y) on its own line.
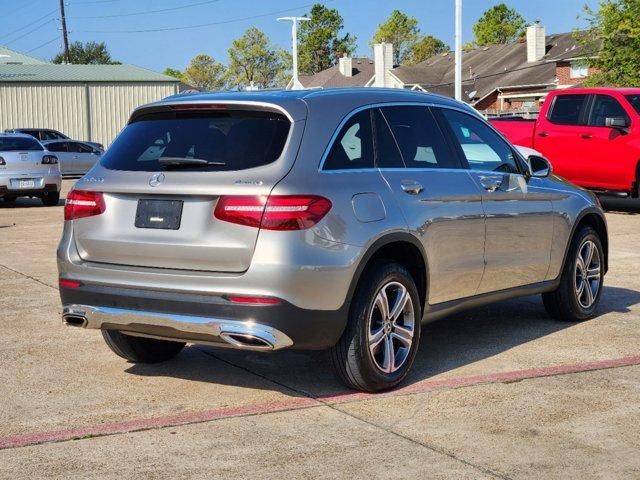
(34,24)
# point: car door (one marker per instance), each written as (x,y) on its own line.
(65,159)
(519,211)
(608,155)
(558,136)
(84,155)
(441,203)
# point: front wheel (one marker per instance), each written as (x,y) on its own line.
(141,349)
(382,335)
(578,294)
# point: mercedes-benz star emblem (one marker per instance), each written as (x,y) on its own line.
(156,179)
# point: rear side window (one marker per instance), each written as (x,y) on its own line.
(353,147)
(199,141)
(605,107)
(421,142)
(634,100)
(57,147)
(19,144)
(566,109)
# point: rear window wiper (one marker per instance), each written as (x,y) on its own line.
(187,162)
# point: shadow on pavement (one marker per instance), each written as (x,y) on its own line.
(26,202)
(450,343)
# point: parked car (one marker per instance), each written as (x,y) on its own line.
(44,134)
(333,219)
(76,158)
(590,135)
(28,170)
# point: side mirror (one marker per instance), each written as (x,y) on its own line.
(616,122)
(540,166)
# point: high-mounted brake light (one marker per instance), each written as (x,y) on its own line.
(82,204)
(277,212)
(198,106)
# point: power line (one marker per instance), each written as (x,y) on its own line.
(29,32)
(29,24)
(148,12)
(43,45)
(187,27)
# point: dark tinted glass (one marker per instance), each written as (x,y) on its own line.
(566,109)
(605,107)
(57,147)
(387,153)
(634,100)
(353,147)
(229,140)
(483,148)
(19,144)
(420,140)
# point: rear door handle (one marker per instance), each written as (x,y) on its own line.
(586,136)
(491,184)
(543,134)
(411,187)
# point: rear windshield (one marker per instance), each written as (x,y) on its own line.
(634,100)
(199,141)
(21,144)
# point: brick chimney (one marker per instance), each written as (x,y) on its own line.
(536,42)
(345,65)
(383,58)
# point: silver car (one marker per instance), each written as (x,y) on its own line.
(76,158)
(332,219)
(27,169)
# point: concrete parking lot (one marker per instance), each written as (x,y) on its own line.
(500,391)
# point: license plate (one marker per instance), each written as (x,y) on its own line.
(26,184)
(159,214)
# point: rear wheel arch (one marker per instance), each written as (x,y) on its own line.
(401,248)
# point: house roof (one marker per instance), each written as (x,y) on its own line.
(486,69)
(49,72)
(363,71)
(11,56)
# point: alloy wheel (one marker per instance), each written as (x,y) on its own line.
(588,274)
(391,327)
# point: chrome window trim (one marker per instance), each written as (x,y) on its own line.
(349,115)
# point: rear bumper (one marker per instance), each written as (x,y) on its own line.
(42,184)
(195,318)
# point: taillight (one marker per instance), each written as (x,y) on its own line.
(246,300)
(49,159)
(82,204)
(277,212)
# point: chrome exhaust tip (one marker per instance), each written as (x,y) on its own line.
(74,320)
(249,341)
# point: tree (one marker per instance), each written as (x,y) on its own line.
(402,31)
(174,72)
(498,25)
(90,53)
(425,48)
(254,60)
(615,25)
(320,42)
(204,73)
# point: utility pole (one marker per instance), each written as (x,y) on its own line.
(458,67)
(65,37)
(294,47)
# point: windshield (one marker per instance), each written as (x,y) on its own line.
(199,141)
(22,144)
(634,100)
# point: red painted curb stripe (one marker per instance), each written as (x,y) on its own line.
(23,440)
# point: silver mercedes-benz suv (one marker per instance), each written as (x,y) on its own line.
(332,219)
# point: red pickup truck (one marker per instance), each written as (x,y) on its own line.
(591,136)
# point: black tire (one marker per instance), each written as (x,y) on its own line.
(141,349)
(50,199)
(351,357)
(8,199)
(564,303)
